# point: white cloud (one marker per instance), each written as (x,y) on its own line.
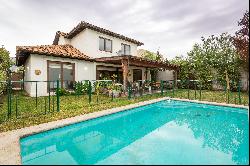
(172,25)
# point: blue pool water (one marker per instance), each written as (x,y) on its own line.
(172,132)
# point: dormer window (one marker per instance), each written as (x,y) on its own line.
(125,49)
(105,44)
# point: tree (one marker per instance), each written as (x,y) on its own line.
(200,68)
(223,58)
(185,68)
(154,57)
(5,64)
(241,40)
(215,58)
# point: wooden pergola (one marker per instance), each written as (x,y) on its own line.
(127,60)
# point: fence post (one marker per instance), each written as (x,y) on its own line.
(36,94)
(200,89)
(97,91)
(112,99)
(16,106)
(90,91)
(9,97)
(57,96)
(129,91)
(49,97)
(188,89)
(166,88)
(45,105)
(173,87)
(53,97)
(239,93)
(195,87)
(23,84)
(161,87)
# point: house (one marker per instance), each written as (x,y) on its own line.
(87,52)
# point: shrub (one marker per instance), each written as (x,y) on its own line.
(80,87)
(63,92)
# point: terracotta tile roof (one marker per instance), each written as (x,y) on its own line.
(83,25)
(66,51)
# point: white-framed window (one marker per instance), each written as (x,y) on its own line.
(105,44)
(125,49)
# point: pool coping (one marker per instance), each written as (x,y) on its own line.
(10,150)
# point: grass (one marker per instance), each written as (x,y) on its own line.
(25,113)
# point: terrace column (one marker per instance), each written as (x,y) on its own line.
(148,75)
(125,73)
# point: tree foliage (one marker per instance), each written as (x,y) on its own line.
(215,58)
(5,64)
(223,58)
(241,40)
(154,57)
(184,72)
(198,60)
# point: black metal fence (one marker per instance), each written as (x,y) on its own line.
(35,98)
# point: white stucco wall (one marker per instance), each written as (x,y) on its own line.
(84,70)
(87,42)
(165,75)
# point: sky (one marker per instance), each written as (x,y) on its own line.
(170,26)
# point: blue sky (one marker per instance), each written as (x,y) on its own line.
(172,26)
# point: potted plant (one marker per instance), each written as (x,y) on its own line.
(115,89)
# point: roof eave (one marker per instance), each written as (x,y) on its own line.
(84,25)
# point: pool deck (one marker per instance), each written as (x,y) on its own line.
(9,141)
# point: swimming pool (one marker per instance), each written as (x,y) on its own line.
(166,132)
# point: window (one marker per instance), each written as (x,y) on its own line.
(62,71)
(108,45)
(105,44)
(68,77)
(101,44)
(125,49)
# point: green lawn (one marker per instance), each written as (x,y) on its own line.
(26,113)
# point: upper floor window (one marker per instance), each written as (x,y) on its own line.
(125,49)
(105,44)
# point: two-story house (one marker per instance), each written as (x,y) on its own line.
(87,52)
